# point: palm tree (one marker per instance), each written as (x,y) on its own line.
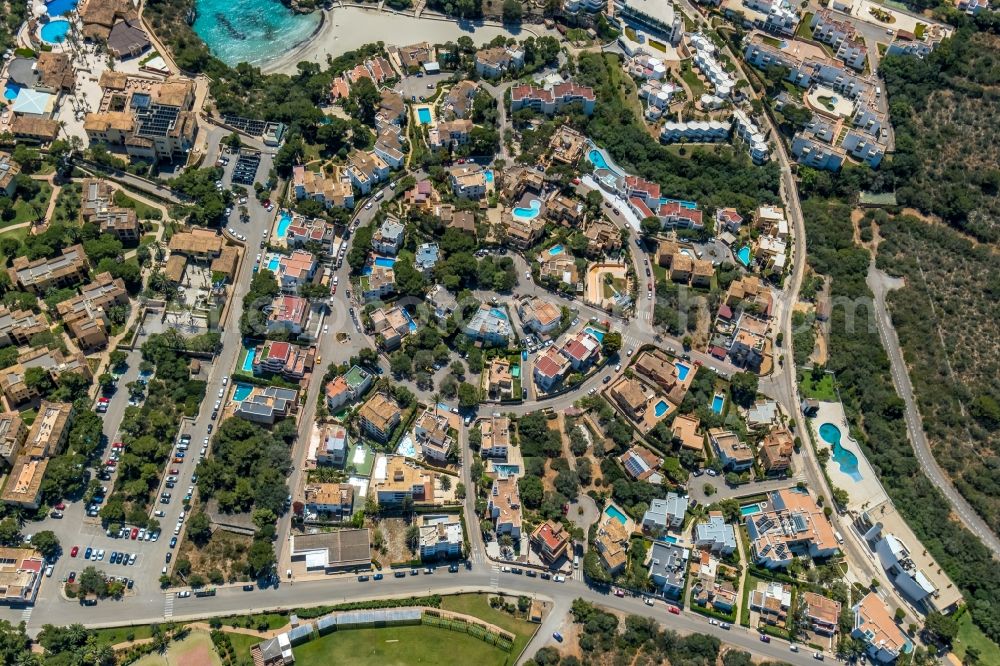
(436,397)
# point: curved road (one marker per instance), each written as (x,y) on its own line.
(881,284)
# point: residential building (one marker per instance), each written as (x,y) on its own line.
(440,537)
(422,197)
(332,502)
(612,543)
(40,275)
(704,59)
(821,613)
(288,314)
(603,237)
(746,348)
(495,431)
(366,170)
(379,416)
(86,324)
(539,315)
(412,58)
(9,170)
(495,61)
(499,380)
(334,443)
(582,350)
(285,358)
(715,534)
(551,541)
(565,210)
(489,325)
(19,326)
(685,430)
(642,464)
(771,600)
(21,571)
(304,230)
(841,35)
(54,362)
(13,433)
(442,302)
(806,69)
(331,552)
(468,181)
(380,282)
(735,455)
(426,257)
(98,208)
(458,102)
(749,290)
(554,100)
(660,19)
(431,430)
(672,378)
(792,524)
(295,270)
(391,325)
(49,431)
(561,268)
(728,219)
(776,450)
(504,507)
(23,486)
(391,108)
(883,637)
(632,397)
(521,233)
(388,238)
(550,368)
(567,145)
(404,482)
(665,514)
(267,404)
(746,130)
(332,187)
(667,566)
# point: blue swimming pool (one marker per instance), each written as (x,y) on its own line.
(385,262)
(409,320)
(613,512)
(489,175)
(248,360)
(718,401)
(54,32)
(506,469)
(273,263)
(407,448)
(60,7)
(284,222)
(10,90)
(744,255)
(424,115)
(661,408)
(242,392)
(498,313)
(682,370)
(690,205)
(529,213)
(848,461)
(595,333)
(556,249)
(668,538)
(750,509)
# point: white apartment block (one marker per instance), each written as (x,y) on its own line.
(574,6)
(841,35)
(745,129)
(775,16)
(695,131)
(704,59)
(808,71)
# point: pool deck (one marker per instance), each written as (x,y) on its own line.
(867,492)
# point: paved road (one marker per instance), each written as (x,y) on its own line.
(881,284)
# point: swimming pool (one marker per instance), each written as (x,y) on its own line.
(848,461)
(248,360)
(498,313)
(54,32)
(284,222)
(744,255)
(11,90)
(661,408)
(718,401)
(682,370)
(556,249)
(530,213)
(274,263)
(60,7)
(424,115)
(242,392)
(668,538)
(596,334)
(506,469)
(613,512)
(489,175)
(750,509)
(515,371)
(385,262)
(406,448)
(409,320)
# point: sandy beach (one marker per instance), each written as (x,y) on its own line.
(347,28)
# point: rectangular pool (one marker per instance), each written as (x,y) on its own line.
(718,402)
(424,115)
(385,262)
(613,512)
(749,509)
(248,360)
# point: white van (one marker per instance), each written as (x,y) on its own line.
(576,561)
(839,536)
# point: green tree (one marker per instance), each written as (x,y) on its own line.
(47,543)
(199,528)
(612,343)
(744,388)
(512,11)
(468,395)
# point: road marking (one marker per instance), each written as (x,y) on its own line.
(168,605)
(26,614)
(495,577)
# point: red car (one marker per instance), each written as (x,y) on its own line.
(61,506)
(110,463)
(178,460)
(674,609)
(135,533)
(76,549)
(103,399)
(118,445)
(175,471)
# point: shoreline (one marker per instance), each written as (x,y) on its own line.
(360,21)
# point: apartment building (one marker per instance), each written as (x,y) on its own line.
(450,134)
(735,455)
(380,282)
(775,16)
(554,100)
(841,35)
(267,404)
(19,326)
(776,450)
(660,19)
(567,145)
(295,270)
(404,482)
(390,325)
(539,316)
(612,543)
(40,275)
(366,170)
(290,360)
(458,102)
(706,62)
(551,540)
(582,350)
(468,181)
(883,637)
(21,571)
(440,537)
(821,613)
(792,524)
(48,434)
(334,443)
(86,324)
(98,207)
(496,61)
(442,302)
(54,362)
(332,502)
(715,534)
(489,325)
(13,433)
(9,170)
(551,366)
(23,486)
(806,69)
(332,187)
(288,314)
(504,507)
(495,431)
(665,514)
(347,387)
(388,238)
(746,130)
(771,600)
(304,230)
(667,567)
(426,257)
(431,430)
(379,416)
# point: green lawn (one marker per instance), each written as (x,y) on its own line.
(242,644)
(970,634)
(693,82)
(18,234)
(142,211)
(478,606)
(805,29)
(398,646)
(822,390)
(274,620)
(116,635)
(31,209)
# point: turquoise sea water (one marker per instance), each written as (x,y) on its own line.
(251,31)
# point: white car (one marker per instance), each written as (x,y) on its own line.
(222,392)
(326,328)
(225,380)
(559,578)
